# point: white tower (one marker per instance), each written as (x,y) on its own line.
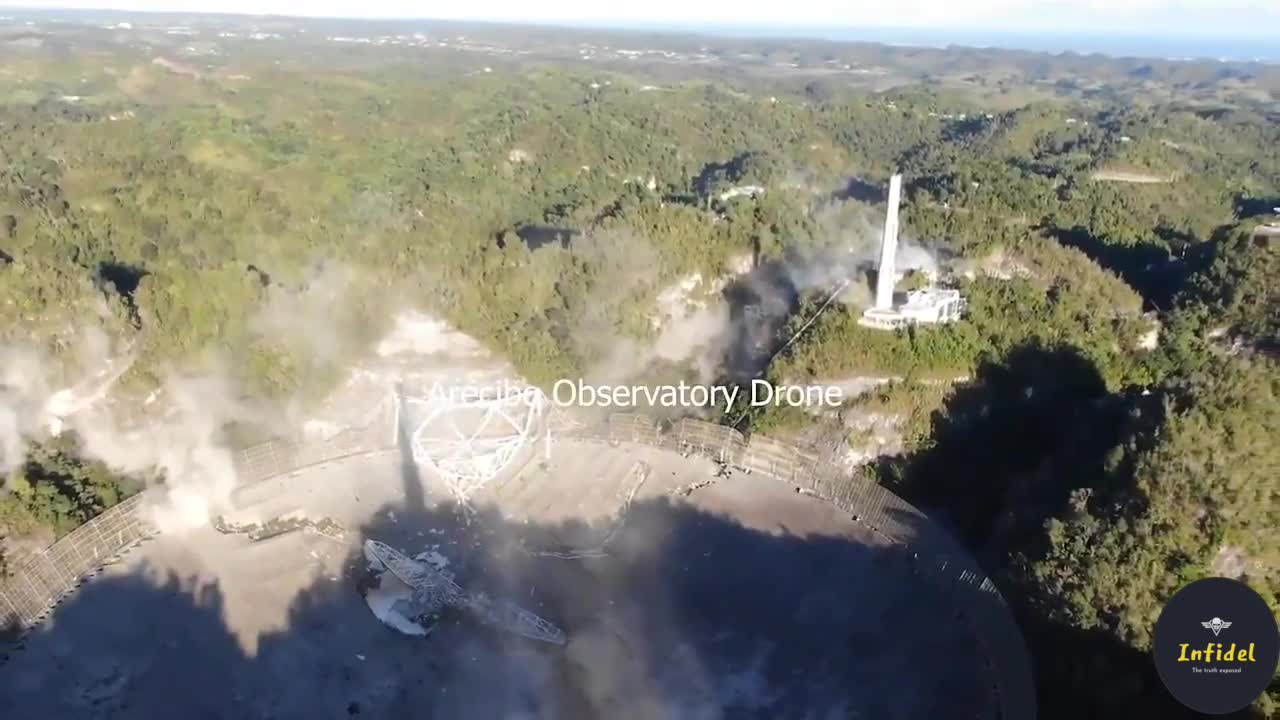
(889,248)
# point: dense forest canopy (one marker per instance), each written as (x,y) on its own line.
(1099,426)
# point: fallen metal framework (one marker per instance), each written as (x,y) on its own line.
(433,591)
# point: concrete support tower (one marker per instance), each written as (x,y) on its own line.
(930,305)
(886,273)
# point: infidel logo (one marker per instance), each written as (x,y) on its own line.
(1216,646)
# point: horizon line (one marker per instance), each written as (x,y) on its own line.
(1181,47)
(675,25)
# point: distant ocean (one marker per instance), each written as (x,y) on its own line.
(1239,49)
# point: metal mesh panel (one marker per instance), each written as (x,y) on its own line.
(770,457)
(43,579)
(720,443)
(633,428)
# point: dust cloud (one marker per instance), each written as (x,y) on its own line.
(175,440)
(182,445)
(729,326)
(23,396)
(32,405)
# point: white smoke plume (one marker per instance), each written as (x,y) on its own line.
(306,317)
(851,235)
(24,393)
(330,323)
(690,323)
(841,258)
(176,441)
(182,444)
(622,268)
(30,406)
(175,437)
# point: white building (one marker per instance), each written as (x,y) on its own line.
(1267,234)
(930,306)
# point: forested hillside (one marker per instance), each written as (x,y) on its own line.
(265,208)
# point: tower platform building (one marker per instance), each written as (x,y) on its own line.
(929,306)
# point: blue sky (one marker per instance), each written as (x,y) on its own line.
(1128,17)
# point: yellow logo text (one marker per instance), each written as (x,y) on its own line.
(1213,652)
